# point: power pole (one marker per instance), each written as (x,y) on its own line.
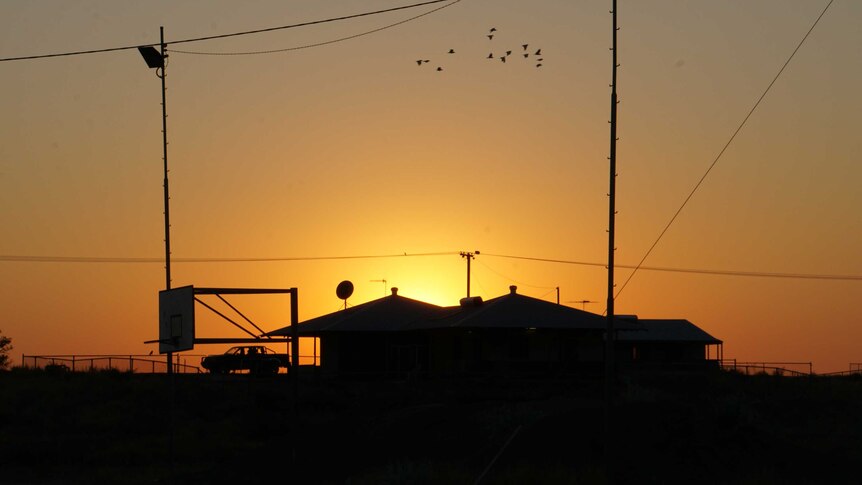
(469,255)
(609,331)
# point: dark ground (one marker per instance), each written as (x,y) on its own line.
(109,427)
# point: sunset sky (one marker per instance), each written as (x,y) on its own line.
(351,148)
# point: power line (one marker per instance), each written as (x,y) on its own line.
(223,36)
(317,44)
(758,274)
(512,279)
(102,260)
(88,259)
(714,162)
(546,260)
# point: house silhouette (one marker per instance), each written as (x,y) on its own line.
(512,333)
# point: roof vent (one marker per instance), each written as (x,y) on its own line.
(513,289)
(394,291)
(471,301)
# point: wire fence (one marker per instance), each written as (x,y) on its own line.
(770,368)
(855,368)
(138,364)
(190,364)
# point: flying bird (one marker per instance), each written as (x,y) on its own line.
(525,46)
(493,29)
(538,65)
(526,55)
(508,52)
(439,68)
(503,58)
(419,62)
(490,36)
(451,51)
(539,52)
(491,55)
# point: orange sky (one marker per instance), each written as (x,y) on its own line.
(353,149)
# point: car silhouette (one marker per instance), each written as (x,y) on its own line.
(256,359)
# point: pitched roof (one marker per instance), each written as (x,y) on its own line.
(648,330)
(395,313)
(515,311)
(388,314)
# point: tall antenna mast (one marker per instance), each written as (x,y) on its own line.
(612,193)
(385,287)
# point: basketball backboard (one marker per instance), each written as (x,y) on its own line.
(176,319)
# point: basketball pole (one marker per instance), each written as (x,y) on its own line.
(609,331)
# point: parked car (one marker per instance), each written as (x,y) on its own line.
(256,359)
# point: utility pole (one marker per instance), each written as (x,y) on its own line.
(469,255)
(609,331)
(158,60)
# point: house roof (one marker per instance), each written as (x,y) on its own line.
(388,314)
(396,313)
(649,330)
(515,311)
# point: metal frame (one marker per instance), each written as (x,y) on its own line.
(293,339)
(294,317)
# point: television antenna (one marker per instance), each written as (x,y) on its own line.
(382,280)
(582,302)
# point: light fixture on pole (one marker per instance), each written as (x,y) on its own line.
(155,59)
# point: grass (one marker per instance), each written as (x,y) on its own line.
(113,427)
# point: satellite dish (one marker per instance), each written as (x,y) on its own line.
(344,290)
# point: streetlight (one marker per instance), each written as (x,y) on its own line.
(155,59)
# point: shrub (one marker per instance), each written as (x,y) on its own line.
(5,347)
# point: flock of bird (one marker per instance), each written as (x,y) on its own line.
(525,52)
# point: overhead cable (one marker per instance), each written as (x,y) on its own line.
(103,260)
(316,44)
(89,259)
(714,162)
(223,36)
(758,274)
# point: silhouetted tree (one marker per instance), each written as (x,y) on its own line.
(5,347)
